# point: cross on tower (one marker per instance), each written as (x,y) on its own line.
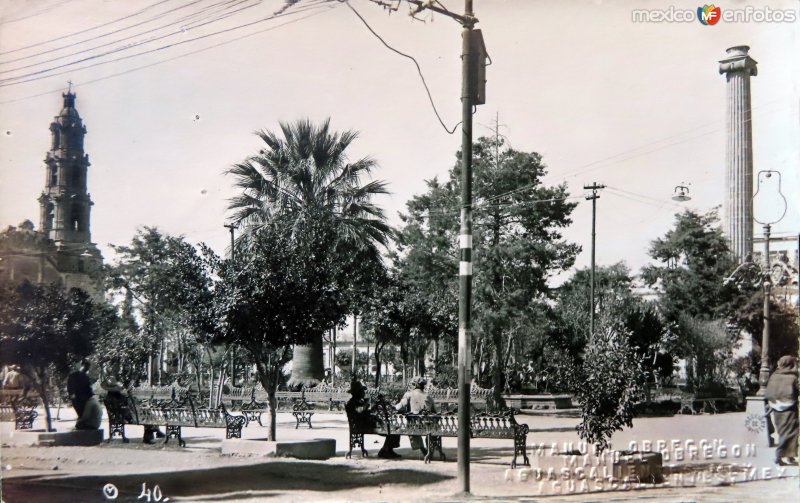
(69,90)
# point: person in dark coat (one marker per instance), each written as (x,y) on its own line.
(116,400)
(782,393)
(79,387)
(359,413)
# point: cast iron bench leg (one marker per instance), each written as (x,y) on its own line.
(174,431)
(356,439)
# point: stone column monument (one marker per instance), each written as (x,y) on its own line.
(738,66)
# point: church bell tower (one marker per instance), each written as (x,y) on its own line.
(65,204)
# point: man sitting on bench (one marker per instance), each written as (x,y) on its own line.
(358,411)
(415,402)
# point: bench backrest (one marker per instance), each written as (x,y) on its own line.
(210,417)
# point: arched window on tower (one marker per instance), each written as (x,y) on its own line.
(76,218)
(75,176)
(53,175)
(49,216)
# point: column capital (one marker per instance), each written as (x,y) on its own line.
(738,60)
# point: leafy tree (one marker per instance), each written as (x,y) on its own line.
(167,281)
(389,317)
(517,243)
(300,176)
(784,331)
(121,352)
(696,261)
(45,331)
(647,333)
(694,296)
(344,360)
(708,347)
(277,296)
(612,290)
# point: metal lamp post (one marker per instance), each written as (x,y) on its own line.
(763,375)
(751,273)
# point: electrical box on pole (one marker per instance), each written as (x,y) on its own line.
(478,64)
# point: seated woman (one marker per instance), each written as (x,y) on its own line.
(360,415)
(92,416)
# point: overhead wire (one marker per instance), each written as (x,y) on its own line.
(102,35)
(120,49)
(48,9)
(319,3)
(632,153)
(68,35)
(319,10)
(419,69)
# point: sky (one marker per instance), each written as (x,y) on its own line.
(639,107)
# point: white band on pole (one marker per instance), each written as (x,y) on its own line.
(465,268)
(465,240)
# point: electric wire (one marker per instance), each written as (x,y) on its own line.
(632,153)
(636,194)
(419,70)
(62,37)
(184,22)
(95,37)
(319,10)
(639,199)
(168,46)
(118,49)
(48,9)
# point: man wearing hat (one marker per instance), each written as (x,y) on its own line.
(416,401)
(358,412)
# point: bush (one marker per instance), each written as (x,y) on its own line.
(393,391)
(608,386)
(446,377)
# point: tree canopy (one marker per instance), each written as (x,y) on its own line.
(518,245)
(46,331)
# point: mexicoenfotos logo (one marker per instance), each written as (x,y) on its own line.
(708,14)
(711,15)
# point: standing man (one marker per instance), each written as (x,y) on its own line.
(415,402)
(79,387)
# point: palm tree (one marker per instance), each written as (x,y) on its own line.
(305,175)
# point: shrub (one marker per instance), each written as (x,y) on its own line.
(607,386)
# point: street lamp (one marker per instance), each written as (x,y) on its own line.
(681,194)
(763,375)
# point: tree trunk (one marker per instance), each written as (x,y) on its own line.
(41,383)
(377,365)
(497,372)
(333,362)
(220,383)
(307,364)
(272,422)
(211,386)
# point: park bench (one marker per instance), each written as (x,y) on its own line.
(291,401)
(500,425)
(446,399)
(15,407)
(159,393)
(711,405)
(174,415)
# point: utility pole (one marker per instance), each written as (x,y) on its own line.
(473,92)
(594,187)
(232,228)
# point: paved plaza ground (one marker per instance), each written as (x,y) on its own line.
(199,472)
